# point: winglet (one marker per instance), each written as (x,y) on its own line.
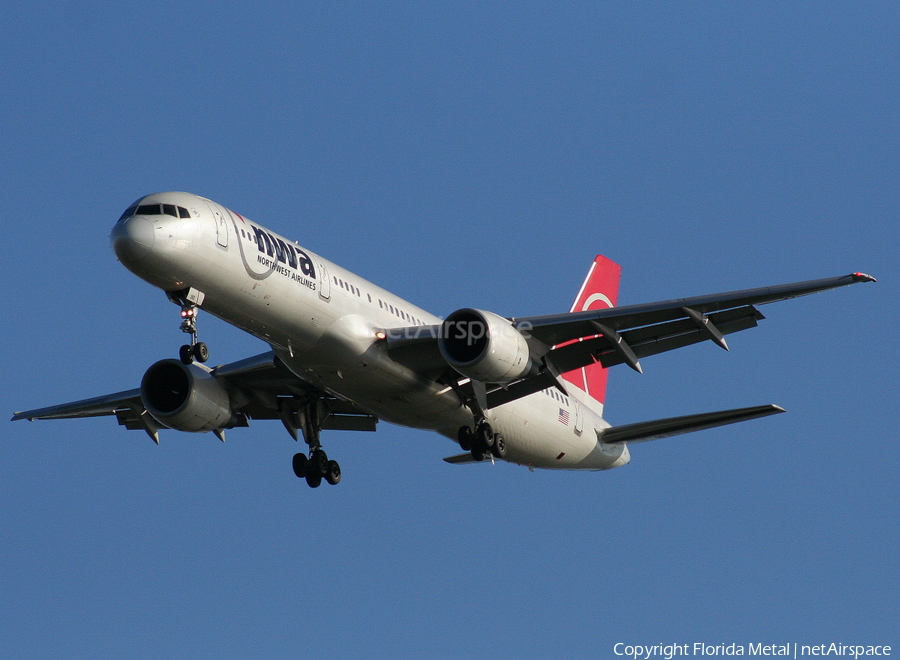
(862,277)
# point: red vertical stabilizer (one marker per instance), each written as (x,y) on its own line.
(599,291)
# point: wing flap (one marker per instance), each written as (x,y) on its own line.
(338,422)
(664,428)
(651,340)
(643,341)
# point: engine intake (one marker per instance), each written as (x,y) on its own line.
(484,346)
(185,397)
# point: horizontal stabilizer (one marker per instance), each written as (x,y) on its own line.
(663,428)
(461,458)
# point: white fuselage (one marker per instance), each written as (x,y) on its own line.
(322,321)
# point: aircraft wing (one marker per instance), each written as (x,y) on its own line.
(617,335)
(95,407)
(559,328)
(263,388)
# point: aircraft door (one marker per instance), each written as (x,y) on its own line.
(579,417)
(221,226)
(324,283)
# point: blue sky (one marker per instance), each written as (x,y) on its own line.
(459,154)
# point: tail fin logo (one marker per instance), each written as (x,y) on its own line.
(597,297)
(600,290)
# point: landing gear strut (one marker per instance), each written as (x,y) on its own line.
(316,466)
(481,441)
(190,300)
(196,350)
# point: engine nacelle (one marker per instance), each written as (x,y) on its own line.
(185,397)
(484,346)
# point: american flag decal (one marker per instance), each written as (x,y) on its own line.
(563,417)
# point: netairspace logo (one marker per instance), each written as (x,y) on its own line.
(791,650)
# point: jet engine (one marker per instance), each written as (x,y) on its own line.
(484,346)
(185,397)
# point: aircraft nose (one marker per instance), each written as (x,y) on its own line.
(132,233)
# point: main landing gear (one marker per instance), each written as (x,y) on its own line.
(308,418)
(317,467)
(481,441)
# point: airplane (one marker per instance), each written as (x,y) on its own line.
(346,353)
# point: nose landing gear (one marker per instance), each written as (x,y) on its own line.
(196,350)
(189,300)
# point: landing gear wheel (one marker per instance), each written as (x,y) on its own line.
(318,464)
(464,437)
(484,436)
(333,475)
(186,354)
(478,454)
(313,480)
(200,351)
(499,448)
(300,465)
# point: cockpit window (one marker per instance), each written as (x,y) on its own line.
(128,212)
(156,209)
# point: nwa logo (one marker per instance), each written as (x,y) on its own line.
(282,252)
